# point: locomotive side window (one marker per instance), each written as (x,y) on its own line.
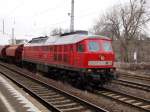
(93,46)
(80,48)
(107,46)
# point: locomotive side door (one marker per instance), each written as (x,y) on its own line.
(79,58)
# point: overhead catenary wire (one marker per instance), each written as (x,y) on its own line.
(78,17)
(51,26)
(20,4)
(57,6)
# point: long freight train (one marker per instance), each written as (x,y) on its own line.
(78,57)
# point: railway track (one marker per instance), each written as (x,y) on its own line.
(132,101)
(45,94)
(140,86)
(123,74)
(53,98)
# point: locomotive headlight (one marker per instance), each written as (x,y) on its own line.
(89,70)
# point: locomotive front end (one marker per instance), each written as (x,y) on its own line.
(99,61)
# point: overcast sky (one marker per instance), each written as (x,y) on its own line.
(39,17)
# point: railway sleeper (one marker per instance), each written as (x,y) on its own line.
(63,101)
(146,107)
(59,98)
(40,88)
(42,92)
(127,100)
(54,96)
(68,105)
(75,109)
(48,95)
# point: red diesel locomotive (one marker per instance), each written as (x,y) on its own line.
(78,57)
(83,58)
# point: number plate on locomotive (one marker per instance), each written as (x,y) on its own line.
(96,63)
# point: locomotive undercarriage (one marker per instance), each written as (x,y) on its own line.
(82,78)
(100,77)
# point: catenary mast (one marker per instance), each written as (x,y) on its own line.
(72,17)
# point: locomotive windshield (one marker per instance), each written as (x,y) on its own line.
(107,46)
(94,46)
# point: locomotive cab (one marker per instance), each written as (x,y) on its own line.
(96,59)
(99,54)
(95,53)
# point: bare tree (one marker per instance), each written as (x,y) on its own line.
(56,31)
(125,23)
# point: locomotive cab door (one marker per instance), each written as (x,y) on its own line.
(80,48)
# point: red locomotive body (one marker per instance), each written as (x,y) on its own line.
(95,52)
(83,57)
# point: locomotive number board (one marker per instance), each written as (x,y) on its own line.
(97,63)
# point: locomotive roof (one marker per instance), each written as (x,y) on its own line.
(71,39)
(38,40)
(68,39)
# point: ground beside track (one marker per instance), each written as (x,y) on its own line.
(13,99)
(2,107)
